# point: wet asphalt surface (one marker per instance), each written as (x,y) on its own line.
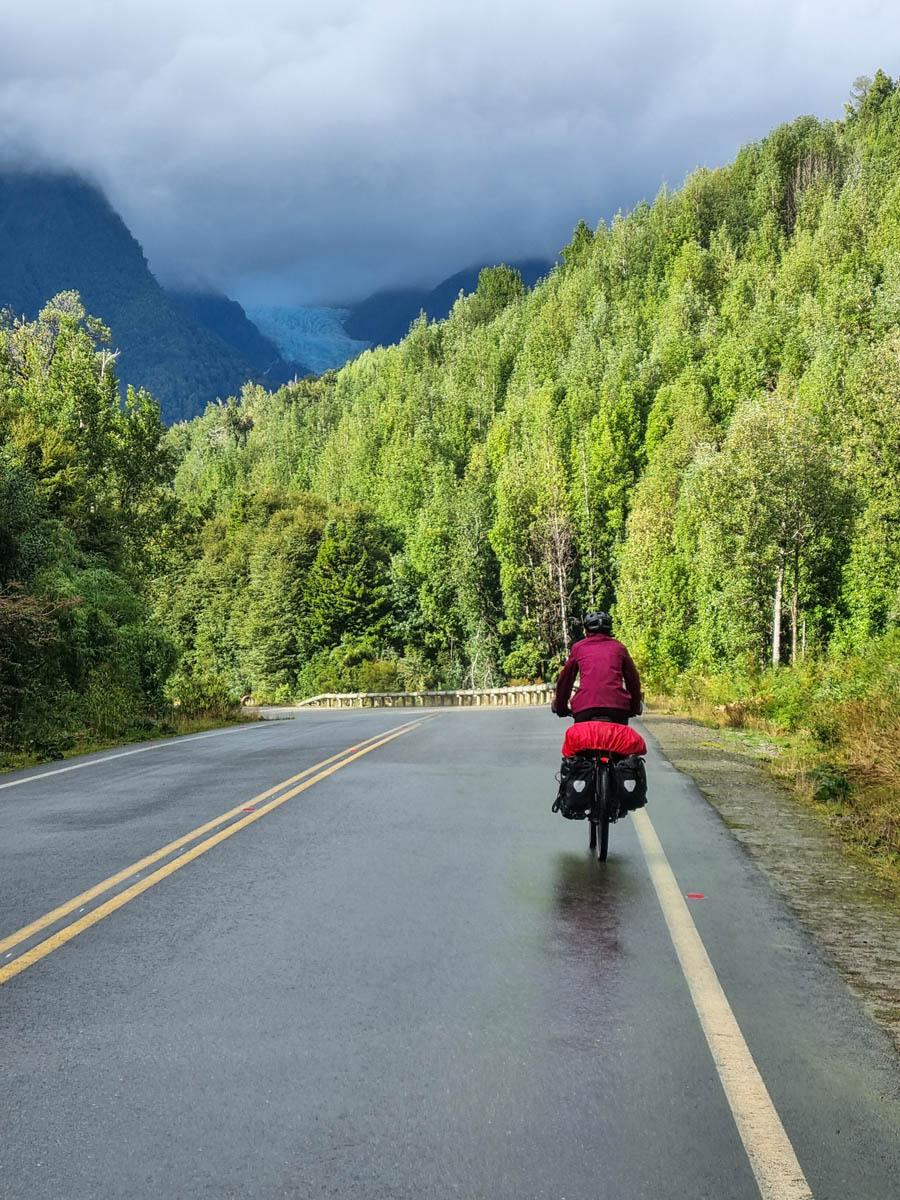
(408,981)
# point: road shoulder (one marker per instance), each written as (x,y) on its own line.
(849,911)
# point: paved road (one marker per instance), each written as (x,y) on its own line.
(406,980)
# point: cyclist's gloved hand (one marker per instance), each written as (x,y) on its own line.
(564,712)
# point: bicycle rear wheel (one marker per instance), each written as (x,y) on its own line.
(606,800)
(604,840)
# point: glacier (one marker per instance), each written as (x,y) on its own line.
(315,337)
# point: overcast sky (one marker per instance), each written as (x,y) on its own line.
(306,151)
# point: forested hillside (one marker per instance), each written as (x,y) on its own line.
(693,421)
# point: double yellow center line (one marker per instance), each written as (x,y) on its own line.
(310,776)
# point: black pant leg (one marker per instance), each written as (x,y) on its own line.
(615,716)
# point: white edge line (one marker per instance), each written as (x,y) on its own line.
(778,1173)
(94,762)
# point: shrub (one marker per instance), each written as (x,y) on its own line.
(830,786)
(198,691)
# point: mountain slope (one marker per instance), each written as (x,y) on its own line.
(385,317)
(59,233)
(228,321)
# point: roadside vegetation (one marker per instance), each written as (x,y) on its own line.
(86,499)
(832,732)
(86,740)
(693,421)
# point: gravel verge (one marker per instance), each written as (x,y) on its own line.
(849,911)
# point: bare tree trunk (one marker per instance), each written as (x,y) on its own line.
(472,666)
(776,615)
(535,587)
(556,537)
(106,357)
(563,608)
(587,515)
(560,547)
(795,603)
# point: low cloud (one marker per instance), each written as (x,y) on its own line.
(314,152)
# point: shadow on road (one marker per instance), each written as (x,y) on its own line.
(589,895)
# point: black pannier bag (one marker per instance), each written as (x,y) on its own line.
(631,783)
(577,788)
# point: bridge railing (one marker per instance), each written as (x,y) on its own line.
(535,693)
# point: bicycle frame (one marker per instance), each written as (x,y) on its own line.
(606,807)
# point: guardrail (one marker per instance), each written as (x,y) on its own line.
(535,693)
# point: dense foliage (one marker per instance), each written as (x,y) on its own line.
(693,420)
(85,485)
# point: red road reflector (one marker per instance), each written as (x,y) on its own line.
(248,810)
(695,896)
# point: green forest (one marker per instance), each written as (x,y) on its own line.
(692,421)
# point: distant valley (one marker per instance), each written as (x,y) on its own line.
(326,338)
(188,348)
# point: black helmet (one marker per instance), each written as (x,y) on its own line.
(598,622)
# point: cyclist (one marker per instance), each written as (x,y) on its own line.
(610,688)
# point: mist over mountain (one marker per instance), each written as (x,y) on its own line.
(59,233)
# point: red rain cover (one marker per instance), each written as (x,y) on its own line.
(603,735)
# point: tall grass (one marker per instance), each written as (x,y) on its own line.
(837,725)
(66,742)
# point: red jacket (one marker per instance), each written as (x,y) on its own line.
(609,678)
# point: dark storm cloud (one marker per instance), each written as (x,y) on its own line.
(315,151)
